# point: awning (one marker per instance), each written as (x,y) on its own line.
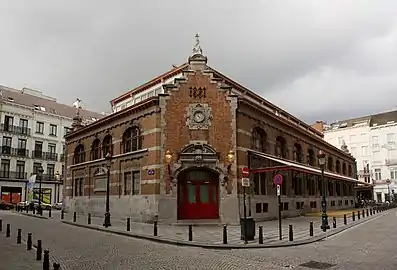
(289,165)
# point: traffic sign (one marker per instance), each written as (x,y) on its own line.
(278,190)
(245,182)
(245,171)
(278,179)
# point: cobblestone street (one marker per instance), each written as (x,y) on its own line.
(366,246)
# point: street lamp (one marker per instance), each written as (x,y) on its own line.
(230,159)
(168,158)
(40,175)
(324,216)
(388,182)
(108,159)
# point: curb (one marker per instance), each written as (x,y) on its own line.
(30,215)
(165,240)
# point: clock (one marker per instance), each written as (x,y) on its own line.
(198,116)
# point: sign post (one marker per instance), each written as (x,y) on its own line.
(245,182)
(278,180)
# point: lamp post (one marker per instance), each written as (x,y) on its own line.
(230,159)
(40,175)
(324,216)
(108,159)
(168,158)
(388,182)
(57,177)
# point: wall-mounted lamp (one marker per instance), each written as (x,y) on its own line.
(230,160)
(168,158)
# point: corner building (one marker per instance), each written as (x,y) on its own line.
(178,145)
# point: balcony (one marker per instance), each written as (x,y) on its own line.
(15,130)
(364,173)
(13,175)
(47,177)
(391,161)
(15,152)
(63,157)
(44,155)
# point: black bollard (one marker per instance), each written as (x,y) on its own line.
(311,228)
(367,212)
(46,260)
(62,214)
(49,212)
(27,208)
(128,224)
(260,235)
(334,222)
(38,251)
(1,225)
(358,214)
(371,211)
(19,236)
(225,234)
(291,233)
(34,210)
(29,242)
(353,216)
(74,216)
(56,266)
(155,228)
(8,230)
(89,219)
(190,233)
(345,219)
(363,213)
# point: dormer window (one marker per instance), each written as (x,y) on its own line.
(10,99)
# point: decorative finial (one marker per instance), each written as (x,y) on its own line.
(77,105)
(197,48)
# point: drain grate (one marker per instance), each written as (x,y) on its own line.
(317,265)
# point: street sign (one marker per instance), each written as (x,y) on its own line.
(245,171)
(278,179)
(278,190)
(245,182)
(150,172)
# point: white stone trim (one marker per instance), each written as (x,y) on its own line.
(242,131)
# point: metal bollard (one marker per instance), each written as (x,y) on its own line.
(19,236)
(367,212)
(89,219)
(34,210)
(56,266)
(353,216)
(260,235)
(74,216)
(128,224)
(27,208)
(190,233)
(311,228)
(38,251)
(358,214)
(224,234)
(345,219)
(1,225)
(29,242)
(62,214)
(8,230)
(46,260)
(363,213)
(334,222)
(371,211)
(155,228)
(49,212)
(291,233)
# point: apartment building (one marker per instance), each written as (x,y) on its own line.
(32,130)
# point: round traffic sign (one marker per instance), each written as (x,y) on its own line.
(278,179)
(245,171)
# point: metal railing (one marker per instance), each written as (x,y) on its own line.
(15,129)
(13,175)
(44,155)
(17,152)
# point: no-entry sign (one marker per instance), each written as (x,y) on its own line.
(245,172)
(278,179)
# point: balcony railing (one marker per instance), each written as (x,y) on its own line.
(44,155)
(63,157)
(17,152)
(15,129)
(364,173)
(46,177)
(391,161)
(13,175)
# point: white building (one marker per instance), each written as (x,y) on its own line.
(372,141)
(32,129)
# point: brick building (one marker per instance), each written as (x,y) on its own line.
(178,144)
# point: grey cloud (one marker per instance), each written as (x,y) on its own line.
(317,59)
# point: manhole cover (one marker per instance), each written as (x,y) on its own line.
(317,265)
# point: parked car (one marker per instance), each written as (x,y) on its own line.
(6,205)
(34,203)
(58,206)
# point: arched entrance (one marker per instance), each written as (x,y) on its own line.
(198,194)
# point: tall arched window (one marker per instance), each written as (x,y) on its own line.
(344,169)
(350,171)
(132,140)
(311,157)
(96,149)
(281,147)
(298,155)
(337,168)
(330,164)
(79,154)
(107,146)
(259,139)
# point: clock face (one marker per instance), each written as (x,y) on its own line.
(199,116)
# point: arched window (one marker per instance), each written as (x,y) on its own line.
(350,171)
(107,146)
(281,147)
(330,164)
(311,157)
(344,169)
(79,154)
(259,139)
(337,168)
(132,140)
(298,156)
(96,149)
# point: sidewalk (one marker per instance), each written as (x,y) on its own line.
(15,256)
(211,236)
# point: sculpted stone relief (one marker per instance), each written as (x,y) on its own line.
(198,116)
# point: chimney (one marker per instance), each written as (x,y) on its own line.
(319,126)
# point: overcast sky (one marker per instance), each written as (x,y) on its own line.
(316,59)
